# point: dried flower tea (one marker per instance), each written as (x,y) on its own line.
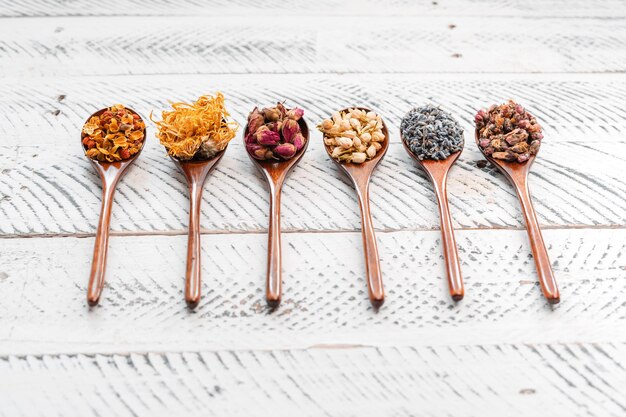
(274,133)
(353,135)
(114,135)
(508,132)
(197,130)
(431,133)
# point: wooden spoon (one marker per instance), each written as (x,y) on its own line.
(275,173)
(437,171)
(517,173)
(360,175)
(110,173)
(196,173)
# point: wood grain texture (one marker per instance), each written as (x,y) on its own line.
(325,300)
(557,380)
(502,351)
(490,8)
(571,108)
(47,187)
(211,45)
(63,197)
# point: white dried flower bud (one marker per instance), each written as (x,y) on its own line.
(344,142)
(329,141)
(327,124)
(358,157)
(357,142)
(336,152)
(345,125)
(378,136)
(355,124)
(349,134)
(371,115)
(366,137)
(356,113)
(377,145)
(371,151)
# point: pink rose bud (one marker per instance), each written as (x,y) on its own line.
(484,143)
(290,128)
(250,139)
(519,109)
(257,151)
(255,120)
(298,141)
(271,114)
(285,150)
(281,109)
(275,126)
(295,114)
(267,137)
(478,118)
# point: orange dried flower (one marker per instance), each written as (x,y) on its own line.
(113,135)
(198,130)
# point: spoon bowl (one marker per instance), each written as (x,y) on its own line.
(275,173)
(196,173)
(360,174)
(437,171)
(110,173)
(517,174)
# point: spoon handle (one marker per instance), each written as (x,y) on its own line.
(372,262)
(450,254)
(273,291)
(101,245)
(540,253)
(193,280)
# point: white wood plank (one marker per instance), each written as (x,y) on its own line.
(571,108)
(47,186)
(47,193)
(278,44)
(486,380)
(43,282)
(497,8)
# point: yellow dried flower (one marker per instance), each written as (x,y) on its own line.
(198,130)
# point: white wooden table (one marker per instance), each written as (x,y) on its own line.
(502,351)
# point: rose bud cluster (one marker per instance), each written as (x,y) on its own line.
(508,132)
(274,133)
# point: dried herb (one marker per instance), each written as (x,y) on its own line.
(431,133)
(196,131)
(114,135)
(353,135)
(274,133)
(508,132)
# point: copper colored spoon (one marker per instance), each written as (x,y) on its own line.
(275,173)
(196,173)
(517,174)
(110,173)
(437,171)
(360,174)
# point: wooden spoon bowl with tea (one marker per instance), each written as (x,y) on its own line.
(517,174)
(437,171)
(196,172)
(110,174)
(360,174)
(275,172)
